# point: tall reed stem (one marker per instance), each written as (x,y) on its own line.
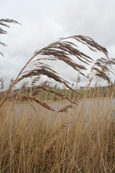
(3,100)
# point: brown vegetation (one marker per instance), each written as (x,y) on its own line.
(33,139)
(58,139)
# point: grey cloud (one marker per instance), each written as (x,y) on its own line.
(45,21)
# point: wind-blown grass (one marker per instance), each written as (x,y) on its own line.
(62,50)
(70,135)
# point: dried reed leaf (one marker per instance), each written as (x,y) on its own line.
(65,108)
(90,43)
(1,54)
(3,44)
(35,80)
(2,31)
(44,70)
(4,24)
(9,21)
(27,97)
(45,88)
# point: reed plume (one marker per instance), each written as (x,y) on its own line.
(62,50)
(3,23)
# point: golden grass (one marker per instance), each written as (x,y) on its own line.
(33,139)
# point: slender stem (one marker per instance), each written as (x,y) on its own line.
(3,100)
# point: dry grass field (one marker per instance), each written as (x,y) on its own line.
(33,139)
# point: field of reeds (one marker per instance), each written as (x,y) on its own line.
(34,139)
(46,129)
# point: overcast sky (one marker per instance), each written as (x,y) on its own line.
(44,21)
